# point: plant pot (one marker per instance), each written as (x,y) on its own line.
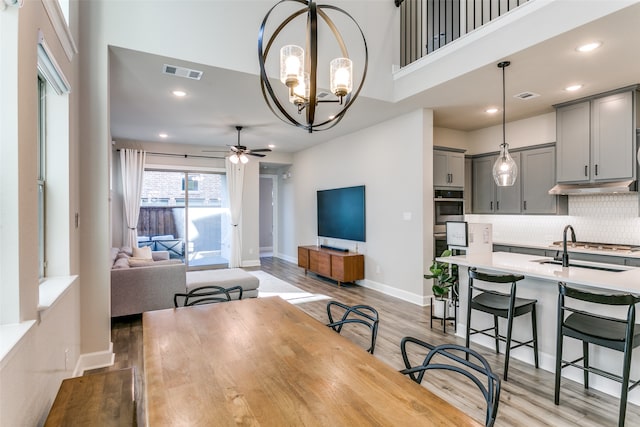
(443,308)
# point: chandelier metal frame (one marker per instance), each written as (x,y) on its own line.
(309,105)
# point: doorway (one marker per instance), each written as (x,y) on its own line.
(268,223)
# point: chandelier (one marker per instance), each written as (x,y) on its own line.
(296,102)
(505,169)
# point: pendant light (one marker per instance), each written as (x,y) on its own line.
(505,170)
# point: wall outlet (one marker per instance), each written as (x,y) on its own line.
(378,269)
(250,251)
(66,359)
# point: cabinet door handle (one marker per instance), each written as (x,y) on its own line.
(498,205)
(525,205)
(596,170)
(586,172)
(491,205)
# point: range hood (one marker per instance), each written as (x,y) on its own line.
(595,188)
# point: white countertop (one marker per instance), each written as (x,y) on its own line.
(625,281)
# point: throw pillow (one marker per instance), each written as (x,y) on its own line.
(144,253)
(141,262)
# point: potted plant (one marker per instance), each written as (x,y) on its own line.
(445,285)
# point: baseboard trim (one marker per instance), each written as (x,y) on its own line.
(98,359)
(395,292)
(251,263)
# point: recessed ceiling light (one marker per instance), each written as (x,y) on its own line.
(491,110)
(179,93)
(163,135)
(271,146)
(589,47)
(573,88)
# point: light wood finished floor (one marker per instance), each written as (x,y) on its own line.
(526,400)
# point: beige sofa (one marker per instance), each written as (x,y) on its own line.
(149,286)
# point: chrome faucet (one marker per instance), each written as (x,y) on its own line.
(565,256)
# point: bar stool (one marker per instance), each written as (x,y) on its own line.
(501,304)
(614,333)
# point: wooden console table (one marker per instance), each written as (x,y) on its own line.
(336,265)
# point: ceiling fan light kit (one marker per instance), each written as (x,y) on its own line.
(299,69)
(239,152)
(505,169)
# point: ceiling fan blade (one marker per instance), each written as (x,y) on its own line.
(235,149)
(261,150)
(250,153)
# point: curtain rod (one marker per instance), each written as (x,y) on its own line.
(180,155)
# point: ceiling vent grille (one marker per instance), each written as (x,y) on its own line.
(188,73)
(526,95)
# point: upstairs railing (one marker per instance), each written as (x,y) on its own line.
(427,25)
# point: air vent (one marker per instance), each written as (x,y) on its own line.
(187,73)
(526,95)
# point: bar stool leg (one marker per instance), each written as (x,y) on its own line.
(507,350)
(535,335)
(468,335)
(495,330)
(626,370)
(585,362)
(556,398)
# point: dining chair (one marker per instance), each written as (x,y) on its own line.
(206,295)
(599,329)
(489,386)
(504,304)
(356,314)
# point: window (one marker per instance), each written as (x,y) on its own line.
(190,223)
(41,178)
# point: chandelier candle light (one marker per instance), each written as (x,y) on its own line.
(299,69)
(505,169)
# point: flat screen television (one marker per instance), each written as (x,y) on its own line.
(341,213)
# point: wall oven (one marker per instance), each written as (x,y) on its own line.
(448,205)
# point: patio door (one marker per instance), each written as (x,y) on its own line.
(184,213)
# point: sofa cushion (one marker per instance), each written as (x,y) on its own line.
(121,263)
(143,253)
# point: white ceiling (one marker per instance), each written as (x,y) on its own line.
(142,106)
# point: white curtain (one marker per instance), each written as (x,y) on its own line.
(235,181)
(132,168)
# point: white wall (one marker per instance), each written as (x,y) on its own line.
(388,160)
(32,369)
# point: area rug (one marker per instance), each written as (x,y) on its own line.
(272,286)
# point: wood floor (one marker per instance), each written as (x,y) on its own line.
(526,399)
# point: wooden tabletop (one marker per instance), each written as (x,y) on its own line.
(264,362)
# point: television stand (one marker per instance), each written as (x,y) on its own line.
(341,266)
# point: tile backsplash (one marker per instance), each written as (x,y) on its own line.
(607,218)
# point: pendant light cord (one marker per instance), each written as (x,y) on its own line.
(504,65)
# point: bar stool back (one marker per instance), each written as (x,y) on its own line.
(501,304)
(614,333)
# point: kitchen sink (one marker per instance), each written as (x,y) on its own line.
(581,265)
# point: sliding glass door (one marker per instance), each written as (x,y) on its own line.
(184,213)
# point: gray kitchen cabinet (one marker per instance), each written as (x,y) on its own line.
(484,187)
(538,167)
(468,185)
(595,138)
(530,193)
(487,196)
(448,168)
(508,198)
(573,135)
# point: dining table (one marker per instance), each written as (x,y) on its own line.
(265,362)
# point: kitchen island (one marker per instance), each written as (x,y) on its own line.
(541,282)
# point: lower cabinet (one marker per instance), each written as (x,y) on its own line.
(342,267)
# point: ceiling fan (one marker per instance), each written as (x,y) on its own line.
(239,152)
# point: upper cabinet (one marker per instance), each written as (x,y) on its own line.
(529,195)
(487,196)
(596,138)
(448,168)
